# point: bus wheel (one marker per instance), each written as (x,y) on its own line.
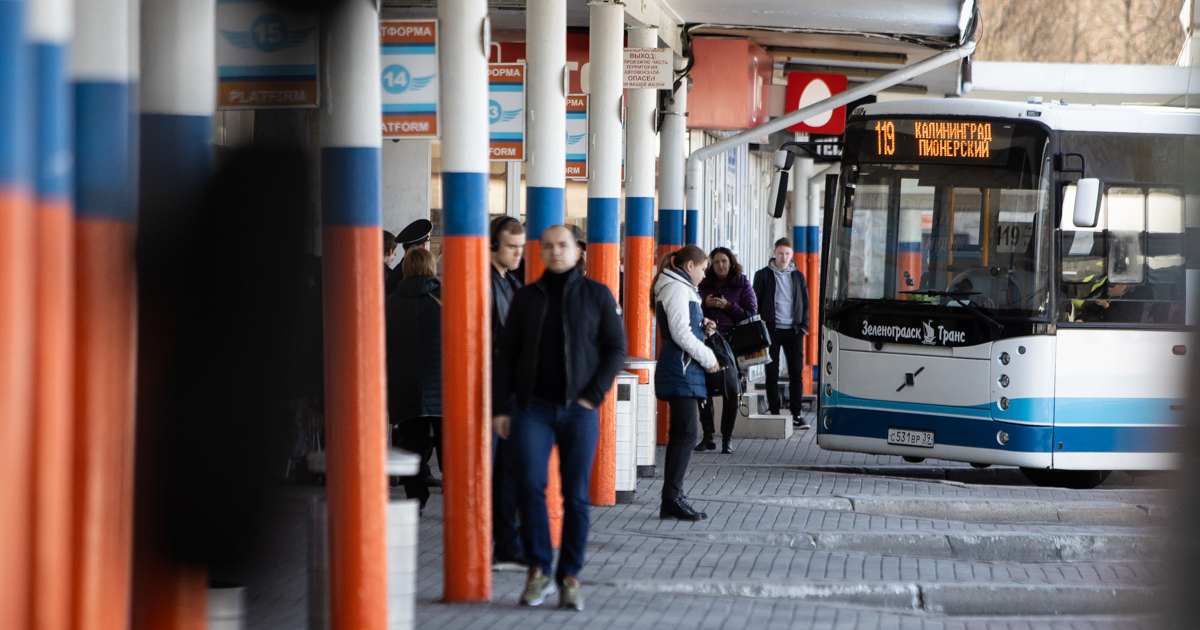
(913,460)
(1072,479)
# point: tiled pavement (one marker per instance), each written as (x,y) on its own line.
(634,558)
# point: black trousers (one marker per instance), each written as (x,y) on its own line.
(729,413)
(506,482)
(792,343)
(416,435)
(681,439)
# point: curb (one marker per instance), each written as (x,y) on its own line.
(1014,547)
(968,599)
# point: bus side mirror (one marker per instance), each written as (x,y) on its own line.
(779,181)
(1087,202)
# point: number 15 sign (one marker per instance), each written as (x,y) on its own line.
(409,78)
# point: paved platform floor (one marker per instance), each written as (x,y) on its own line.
(798,537)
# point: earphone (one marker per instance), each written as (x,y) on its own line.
(498,225)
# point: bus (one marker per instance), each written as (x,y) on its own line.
(1011,284)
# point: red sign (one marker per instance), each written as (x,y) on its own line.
(806,88)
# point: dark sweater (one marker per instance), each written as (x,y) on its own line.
(551,381)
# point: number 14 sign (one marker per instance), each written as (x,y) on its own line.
(409,78)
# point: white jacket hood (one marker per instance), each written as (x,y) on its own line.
(675,293)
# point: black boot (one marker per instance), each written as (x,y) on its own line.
(726,446)
(679,509)
(706,444)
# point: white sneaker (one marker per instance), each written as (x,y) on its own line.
(538,587)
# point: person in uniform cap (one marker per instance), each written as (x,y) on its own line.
(415,234)
(389,255)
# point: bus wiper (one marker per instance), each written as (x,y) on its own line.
(958,296)
(859,303)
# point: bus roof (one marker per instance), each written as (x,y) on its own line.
(1055,115)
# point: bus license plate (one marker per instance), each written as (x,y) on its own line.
(910,437)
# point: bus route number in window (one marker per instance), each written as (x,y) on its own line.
(1013,238)
(885,137)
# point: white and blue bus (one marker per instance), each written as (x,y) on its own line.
(1012,284)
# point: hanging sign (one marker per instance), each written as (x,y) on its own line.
(266,56)
(806,88)
(577,128)
(408,65)
(649,68)
(506,112)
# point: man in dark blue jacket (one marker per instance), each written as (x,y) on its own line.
(783,305)
(507,245)
(561,349)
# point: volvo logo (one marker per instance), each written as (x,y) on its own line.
(910,378)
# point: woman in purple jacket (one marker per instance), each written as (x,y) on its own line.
(727,299)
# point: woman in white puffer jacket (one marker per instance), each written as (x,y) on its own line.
(682,360)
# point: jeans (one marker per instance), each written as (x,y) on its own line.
(681,439)
(729,413)
(505,538)
(792,343)
(535,431)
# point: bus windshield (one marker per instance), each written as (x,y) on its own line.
(944,222)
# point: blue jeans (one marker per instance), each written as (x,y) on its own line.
(534,432)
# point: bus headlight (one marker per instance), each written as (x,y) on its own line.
(1004,358)
(829,345)
(828,389)
(1002,437)
(1003,403)
(829,368)
(827,422)
(1003,380)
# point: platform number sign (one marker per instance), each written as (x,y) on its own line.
(408,78)
(506,112)
(266,56)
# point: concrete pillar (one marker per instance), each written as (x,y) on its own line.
(605,54)
(639,205)
(545,124)
(354,365)
(16,310)
(466,302)
(406,182)
(672,164)
(104,64)
(813,275)
(177,103)
(54,316)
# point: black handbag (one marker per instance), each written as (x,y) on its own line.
(749,336)
(724,382)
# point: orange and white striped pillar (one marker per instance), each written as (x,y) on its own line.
(803,236)
(639,205)
(672,163)
(466,295)
(16,315)
(177,100)
(54,317)
(351,216)
(605,56)
(545,128)
(105,67)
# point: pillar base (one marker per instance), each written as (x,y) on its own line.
(626,496)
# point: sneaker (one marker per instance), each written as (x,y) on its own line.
(537,588)
(799,424)
(569,595)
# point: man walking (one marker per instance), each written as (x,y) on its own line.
(507,245)
(560,351)
(783,304)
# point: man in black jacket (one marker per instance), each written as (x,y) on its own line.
(507,245)
(783,304)
(561,349)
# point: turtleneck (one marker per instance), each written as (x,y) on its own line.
(551,382)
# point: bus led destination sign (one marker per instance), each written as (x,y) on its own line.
(945,141)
